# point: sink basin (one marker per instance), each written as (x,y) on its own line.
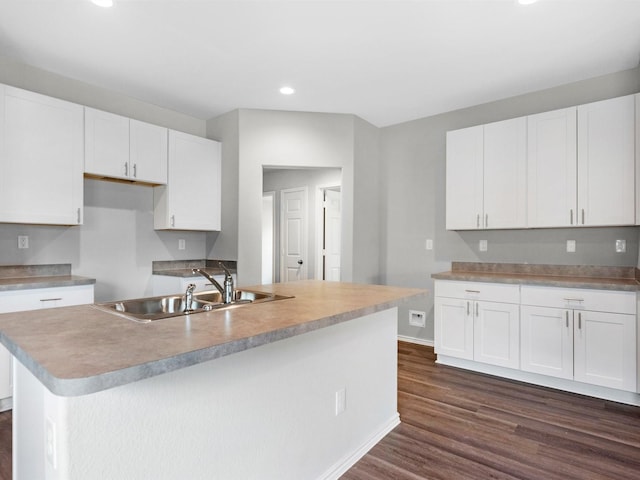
(156,308)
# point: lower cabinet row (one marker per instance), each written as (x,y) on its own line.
(541,330)
(34,299)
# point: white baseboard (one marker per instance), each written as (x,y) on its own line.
(419,341)
(341,467)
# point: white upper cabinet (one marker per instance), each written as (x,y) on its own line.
(486,176)
(191,199)
(505,174)
(582,166)
(41,159)
(464,178)
(552,168)
(123,148)
(606,162)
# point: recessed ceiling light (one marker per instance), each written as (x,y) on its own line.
(103,3)
(526,2)
(287,90)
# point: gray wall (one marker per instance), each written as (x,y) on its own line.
(117,243)
(413,173)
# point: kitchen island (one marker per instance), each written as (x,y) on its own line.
(297,388)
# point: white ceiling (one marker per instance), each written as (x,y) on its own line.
(385,61)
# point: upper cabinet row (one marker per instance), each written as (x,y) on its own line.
(568,167)
(48,145)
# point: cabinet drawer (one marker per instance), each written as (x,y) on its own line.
(490,292)
(580,299)
(36,298)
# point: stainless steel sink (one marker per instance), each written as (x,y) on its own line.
(157,308)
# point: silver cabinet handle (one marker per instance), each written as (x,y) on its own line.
(571,216)
(566,316)
(583,216)
(135,170)
(569,299)
(126,169)
(173,220)
(468,312)
(476,309)
(486,220)
(472,291)
(579,320)
(78,215)
(478,221)
(50,299)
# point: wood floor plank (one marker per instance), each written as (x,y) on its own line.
(458,424)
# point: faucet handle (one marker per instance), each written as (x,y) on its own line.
(226,270)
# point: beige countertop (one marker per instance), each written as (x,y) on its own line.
(569,276)
(24,277)
(80,350)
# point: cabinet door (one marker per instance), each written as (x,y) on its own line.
(464,195)
(547,341)
(191,199)
(505,174)
(605,349)
(453,327)
(148,152)
(552,168)
(496,332)
(41,158)
(106,147)
(606,162)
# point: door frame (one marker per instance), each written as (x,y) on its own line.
(273,258)
(319,214)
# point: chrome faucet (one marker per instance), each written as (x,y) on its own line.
(227,292)
(188,298)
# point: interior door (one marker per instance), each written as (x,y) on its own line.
(332,233)
(294,234)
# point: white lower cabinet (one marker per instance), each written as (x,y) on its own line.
(34,299)
(577,335)
(584,335)
(469,324)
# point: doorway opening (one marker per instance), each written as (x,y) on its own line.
(297,240)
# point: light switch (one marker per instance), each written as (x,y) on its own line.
(571,246)
(482,246)
(621,246)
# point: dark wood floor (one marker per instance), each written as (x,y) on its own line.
(5,445)
(462,425)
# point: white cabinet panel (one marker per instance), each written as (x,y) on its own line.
(496,332)
(148,152)
(464,178)
(191,199)
(453,327)
(552,168)
(606,162)
(106,146)
(41,156)
(605,349)
(122,148)
(547,341)
(505,174)
(486,176)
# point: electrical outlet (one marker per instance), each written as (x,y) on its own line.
(417,318)
(182,244)
(428,244)
(341,401)
(51,444)
(621,246)
(483,245)
(23,241)
(571,246)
